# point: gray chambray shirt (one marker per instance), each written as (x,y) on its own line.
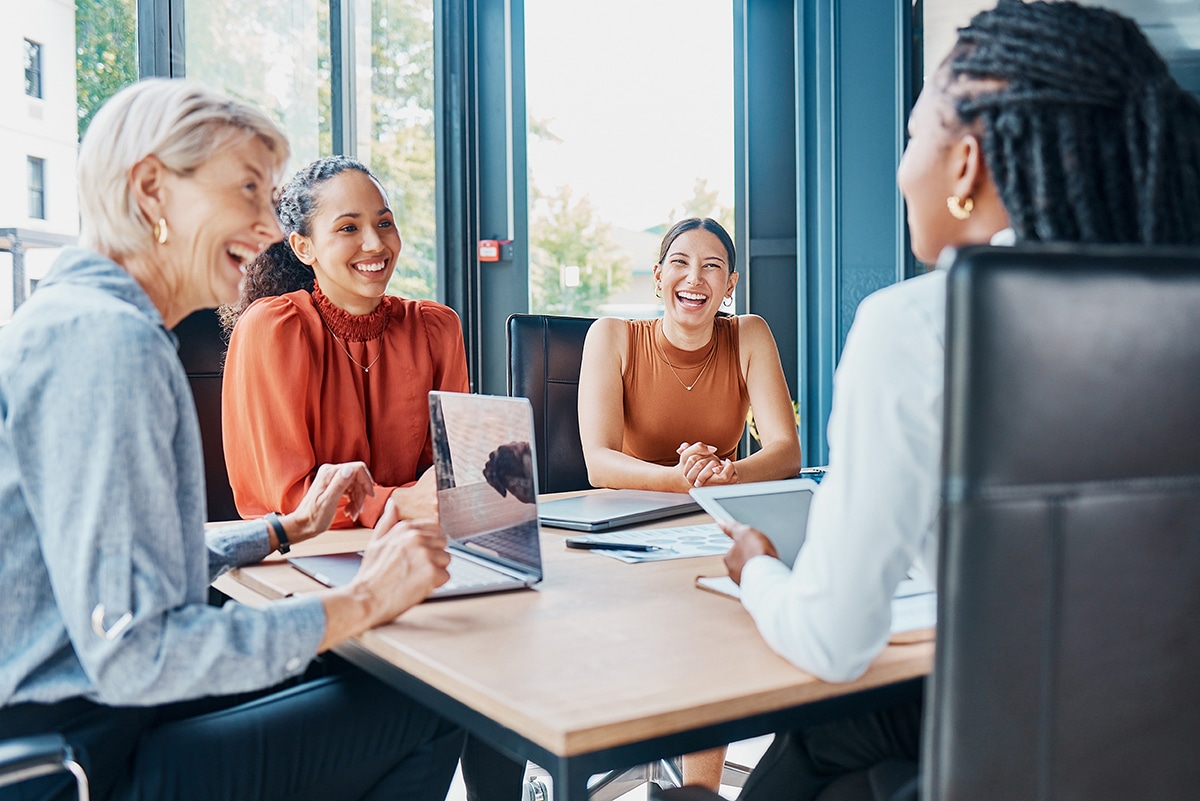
(102,510)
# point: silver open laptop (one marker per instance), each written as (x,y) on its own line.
(483,453)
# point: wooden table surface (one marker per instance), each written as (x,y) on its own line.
(600,654)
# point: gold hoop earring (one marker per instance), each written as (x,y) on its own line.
(658,291)
(960,209)
(160,231)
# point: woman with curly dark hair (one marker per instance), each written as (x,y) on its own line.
(322,361)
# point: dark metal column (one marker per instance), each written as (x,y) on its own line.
(853,67)
(160,35)
(482,183)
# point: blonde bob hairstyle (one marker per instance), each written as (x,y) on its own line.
(183,124)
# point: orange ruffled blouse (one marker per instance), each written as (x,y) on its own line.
(296,395)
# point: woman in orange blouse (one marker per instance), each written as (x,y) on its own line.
(322,362)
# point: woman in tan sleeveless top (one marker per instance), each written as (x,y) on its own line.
(662,403)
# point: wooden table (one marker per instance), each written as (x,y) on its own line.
(603,665)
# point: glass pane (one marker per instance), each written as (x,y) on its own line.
(85,52)
(273,53)
(1172,26)
(630,128)
(396,132)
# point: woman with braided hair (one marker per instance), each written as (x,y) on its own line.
(1047,122)
(322,361)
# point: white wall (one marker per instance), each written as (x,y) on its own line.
(44,128)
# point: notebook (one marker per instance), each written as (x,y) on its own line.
(607,510)
(487,497)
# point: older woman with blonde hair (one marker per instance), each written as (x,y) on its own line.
(107,635)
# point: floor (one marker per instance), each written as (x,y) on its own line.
(746,752)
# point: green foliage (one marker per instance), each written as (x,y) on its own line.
(566,234)
(276,54)
(402,150)
(704,202)
(105,60)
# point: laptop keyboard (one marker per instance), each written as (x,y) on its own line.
(465,574)
(516,543)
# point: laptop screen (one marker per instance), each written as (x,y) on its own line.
(486,476)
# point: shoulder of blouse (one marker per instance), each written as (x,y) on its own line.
(438,319)
(277,309)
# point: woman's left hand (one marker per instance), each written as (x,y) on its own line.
(714,473)
(319,505)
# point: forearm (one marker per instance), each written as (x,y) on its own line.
(611,468)
(776,460)
(349,611)
(236,545)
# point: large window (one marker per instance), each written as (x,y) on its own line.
(33,69)
(76,56)
(1172,26)
(360,84)
(397,136)
(630,128)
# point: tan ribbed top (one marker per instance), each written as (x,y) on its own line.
(660,412)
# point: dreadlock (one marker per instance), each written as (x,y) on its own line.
(1087,135)
(277,271)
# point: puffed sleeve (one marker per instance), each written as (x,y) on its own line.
(267,409)
(446,350)
(447,356)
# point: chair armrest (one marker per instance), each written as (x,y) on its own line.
(26,757)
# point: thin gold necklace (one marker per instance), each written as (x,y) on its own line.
(357,363)
(711,353)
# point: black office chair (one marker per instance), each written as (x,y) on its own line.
(544,354)
(202,351)
(1069,581)
(26,758)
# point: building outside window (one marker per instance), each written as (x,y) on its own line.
(33,69)
(37,188)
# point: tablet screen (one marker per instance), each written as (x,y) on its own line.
(782,516)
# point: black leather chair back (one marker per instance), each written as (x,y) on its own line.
(1068,653)
(202,351)
(544,354)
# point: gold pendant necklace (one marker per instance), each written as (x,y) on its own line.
(711,353)
(357,363)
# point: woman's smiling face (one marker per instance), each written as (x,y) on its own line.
(694,276)
(354,242)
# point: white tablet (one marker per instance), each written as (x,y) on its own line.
(779,509)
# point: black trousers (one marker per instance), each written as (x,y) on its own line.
(341,736)
(800,764)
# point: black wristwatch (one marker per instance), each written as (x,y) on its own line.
(280,534)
